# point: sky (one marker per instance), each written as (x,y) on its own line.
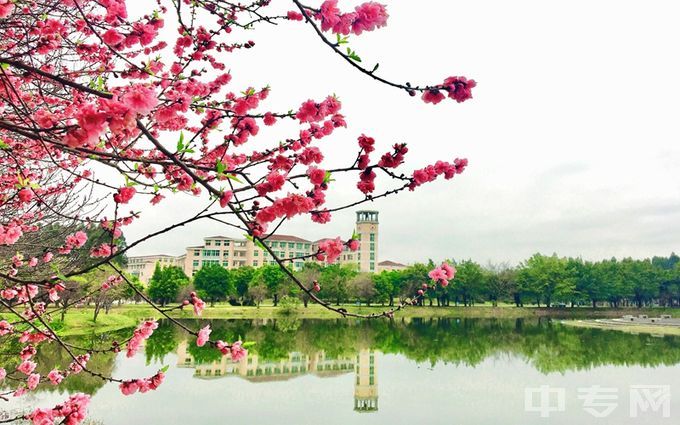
(572,134)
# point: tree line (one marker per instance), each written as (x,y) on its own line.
(541,280)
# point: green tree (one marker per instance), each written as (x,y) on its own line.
(334,282)
(242,277)
(165,283)
(214,282)
(309,272)
(468,285)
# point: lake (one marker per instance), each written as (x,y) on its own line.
(429,371)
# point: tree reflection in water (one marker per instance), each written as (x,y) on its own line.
(289,348)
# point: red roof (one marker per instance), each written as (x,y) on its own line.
(391,263)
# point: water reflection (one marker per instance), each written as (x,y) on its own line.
(254,368)
(426,365)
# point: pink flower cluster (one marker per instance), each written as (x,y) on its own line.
(235,350)
(366,17)
(72,411)
(288,207)
(203,336)
(198,303)
(142,385)
(124,195)
(311,111)
(458,88)
(431,172)
(140,334)
(330,250)
(442,274)
(75,240)
(10,234)
(111,281)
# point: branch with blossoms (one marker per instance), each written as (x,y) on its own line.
(85,88)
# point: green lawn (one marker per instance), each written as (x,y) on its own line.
(79,321)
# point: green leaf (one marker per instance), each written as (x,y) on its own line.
(4,146)
(248,344)
(375,68)
(4,65)
(220,167)
(234,178)
(165,368)
(180,142)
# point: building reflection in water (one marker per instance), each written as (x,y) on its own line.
(255,369)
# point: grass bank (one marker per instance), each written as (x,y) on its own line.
(78,321)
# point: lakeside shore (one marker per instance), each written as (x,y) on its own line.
(78,321)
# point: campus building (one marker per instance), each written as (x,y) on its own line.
(142,267)
(253,368)
(233,253)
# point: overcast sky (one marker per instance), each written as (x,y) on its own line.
(572,135)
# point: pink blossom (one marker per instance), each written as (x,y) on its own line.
(124,194)
(321,217)
(198,303)
(203,336)
(332,248)
(225,198)
(294,16)
(33,262)
(3,373)
(316,287)
(448,270)
(459,88)
(26,367)
(354,244)
(6,7)
(129,387)
(33,381)
(25,195)
(55,377)
(112,37)
(369,16)
(143,331)
(140,99)
(47,257)
(316,175)
(42,417)
(433,96)
(5,326)
(238,352)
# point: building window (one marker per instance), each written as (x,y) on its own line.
(197,252)
(307,246)
(274,245)
(372,266)
(291,245)
(195,263)
(372,246)
(225,263)
(211,253)
(207,243)
(256,253)
(225,253)
(298,245)
(372,237)
(372,256)
(255,263)
(218,243)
